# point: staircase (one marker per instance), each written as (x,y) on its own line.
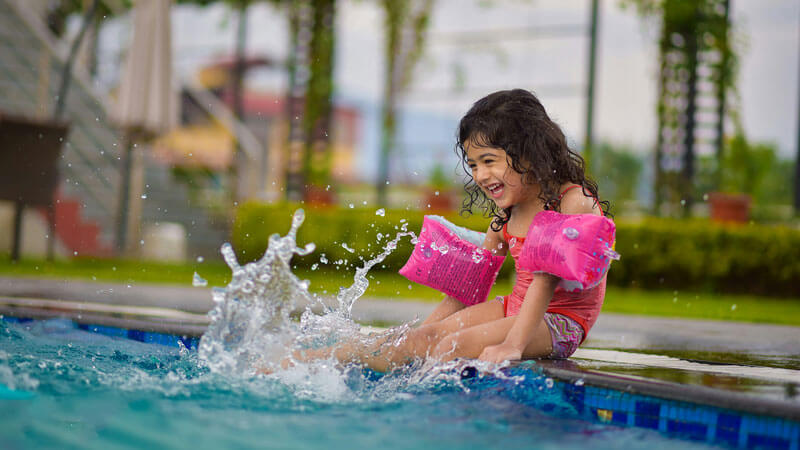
(87,198)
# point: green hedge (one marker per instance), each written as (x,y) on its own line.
(329,227)
(656,253)
(698,255)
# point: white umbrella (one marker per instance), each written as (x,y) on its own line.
(146,100)
(146,104)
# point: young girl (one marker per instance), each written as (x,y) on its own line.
(519,164)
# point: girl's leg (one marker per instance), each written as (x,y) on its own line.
(383,355)
(470,342)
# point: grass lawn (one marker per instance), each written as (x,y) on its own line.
(391,285)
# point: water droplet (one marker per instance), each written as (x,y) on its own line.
(351,206)
(144,196)
(199,259)
(314,266)
(198,281)
(733,307)
(705,197)
(443,249)
(549,383)
(579,382)
(381,212)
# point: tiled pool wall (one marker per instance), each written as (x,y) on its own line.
(687,420)
(697,422)
(148,337)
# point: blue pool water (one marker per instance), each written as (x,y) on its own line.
(63,387)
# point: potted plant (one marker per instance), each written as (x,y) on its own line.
(743,168)
(438,191)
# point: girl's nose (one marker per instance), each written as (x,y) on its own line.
(481,174)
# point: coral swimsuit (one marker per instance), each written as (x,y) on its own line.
(583,306)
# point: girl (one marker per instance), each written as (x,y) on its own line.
(519,164)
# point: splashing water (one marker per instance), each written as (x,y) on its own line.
(250,324)
(198,281)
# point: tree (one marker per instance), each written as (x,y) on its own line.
(695,51)
(309,100)
(406,23)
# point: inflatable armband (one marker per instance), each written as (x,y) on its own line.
(576,248)
(450,259)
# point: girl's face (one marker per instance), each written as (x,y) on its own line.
(492,172)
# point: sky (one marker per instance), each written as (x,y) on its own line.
(453,74)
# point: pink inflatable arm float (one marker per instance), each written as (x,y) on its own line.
(450,259)
(577,248)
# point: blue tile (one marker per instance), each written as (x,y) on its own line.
(189,343)
(108,331)
(620,418)
(692,430)
(136,335)
(728,426)
(161,339)
(575,396)
(729,421)
(761,441)
(647,414)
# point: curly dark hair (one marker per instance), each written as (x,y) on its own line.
(515,121)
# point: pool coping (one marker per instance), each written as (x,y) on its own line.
(148,319)
(191,325)
(702,395)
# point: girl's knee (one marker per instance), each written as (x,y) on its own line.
(446,346)
(425,337)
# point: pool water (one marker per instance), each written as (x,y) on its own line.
(62,387)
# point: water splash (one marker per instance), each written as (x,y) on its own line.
(198,281)
(251,327)
(250,319)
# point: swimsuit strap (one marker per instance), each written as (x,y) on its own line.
(567,190)
(508,236)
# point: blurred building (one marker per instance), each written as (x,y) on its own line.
(203,143)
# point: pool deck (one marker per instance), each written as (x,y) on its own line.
(735,361)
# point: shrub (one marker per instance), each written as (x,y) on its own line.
(656,253)
(699,255)
(330,227)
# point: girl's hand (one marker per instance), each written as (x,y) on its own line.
(500,353)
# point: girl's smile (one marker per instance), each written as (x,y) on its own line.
(493,173)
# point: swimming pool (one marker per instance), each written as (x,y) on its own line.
(67,385)
(116,376)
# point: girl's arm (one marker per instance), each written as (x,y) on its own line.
(448,306)
(531,316)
